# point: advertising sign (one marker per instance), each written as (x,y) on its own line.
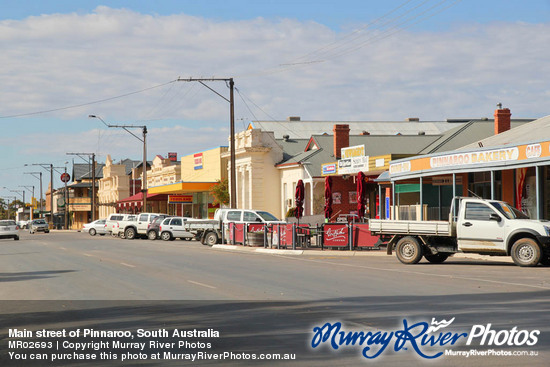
(180,199)
(329,169)
(348,166)
(197,159)
(336,235)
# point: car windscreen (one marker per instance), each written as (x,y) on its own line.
(268,217)
(7,223)
(509,211)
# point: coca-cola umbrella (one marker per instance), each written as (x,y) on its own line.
(328,197)
(299,212)
(360,195)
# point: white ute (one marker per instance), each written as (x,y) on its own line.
(487,227)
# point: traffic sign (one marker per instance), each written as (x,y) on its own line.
(65,177)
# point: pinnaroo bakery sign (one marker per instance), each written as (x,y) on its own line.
(517,154)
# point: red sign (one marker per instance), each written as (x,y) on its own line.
(180,199)
(335,235)
(65,177)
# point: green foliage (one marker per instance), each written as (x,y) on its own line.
(220,192)
(290,212)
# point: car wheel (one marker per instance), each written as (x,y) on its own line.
(526,252)
(408,250)
(152,235)
(211,239)
(166,236)
(130,233)
(92,232)
(16,238)
(47,231)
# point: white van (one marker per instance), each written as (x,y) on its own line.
(112,221)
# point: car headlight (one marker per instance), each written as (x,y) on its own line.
(547,229)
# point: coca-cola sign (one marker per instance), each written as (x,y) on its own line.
(336,235)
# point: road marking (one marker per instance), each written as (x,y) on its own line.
(202,284)
(62,248)
(128,265)
(85,254)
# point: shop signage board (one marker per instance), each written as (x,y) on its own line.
(329,168)
(348,166)
(355,151)
(180,199)
(512,155)
(198,161)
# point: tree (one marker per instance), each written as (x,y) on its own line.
(220,192)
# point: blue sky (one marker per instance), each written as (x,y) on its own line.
(450,59)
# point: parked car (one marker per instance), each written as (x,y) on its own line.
(172,228)
(118,227)
(9,229)
(95,227)
(39,225)
(153,229)
(137,228)
(23,224)
(112,220)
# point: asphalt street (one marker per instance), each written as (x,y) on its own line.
(263,302)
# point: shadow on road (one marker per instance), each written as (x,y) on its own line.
(30,275)
(286,327)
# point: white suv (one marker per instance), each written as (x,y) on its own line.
(172,228)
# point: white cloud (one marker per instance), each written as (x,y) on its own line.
(67,59)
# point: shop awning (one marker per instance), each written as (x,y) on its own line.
(182,187)
(136,201)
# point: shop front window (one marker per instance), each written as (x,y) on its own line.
(479,184)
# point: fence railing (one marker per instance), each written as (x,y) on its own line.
(346,236)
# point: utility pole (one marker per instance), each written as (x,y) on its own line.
(93,179)
(144,141)
(41,205)
(32,192)
(233,180)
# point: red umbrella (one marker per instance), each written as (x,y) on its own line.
(328,197)
(299,212)
(360,195)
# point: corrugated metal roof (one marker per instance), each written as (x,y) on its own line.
(305,129)
(534,131)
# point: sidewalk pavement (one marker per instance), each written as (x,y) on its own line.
(343,253)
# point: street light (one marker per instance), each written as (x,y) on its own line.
(144,141)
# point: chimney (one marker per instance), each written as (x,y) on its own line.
(341,139)
(502,119)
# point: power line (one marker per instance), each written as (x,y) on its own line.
(85,104)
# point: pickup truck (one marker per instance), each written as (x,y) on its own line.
(487,227)
(136,227)
(209,232)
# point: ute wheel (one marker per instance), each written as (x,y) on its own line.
(526,252)
(408,250)
(166,236)
(130,233)
(210,239)
(437,258)
(92,232)
(152,235)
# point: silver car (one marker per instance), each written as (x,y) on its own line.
(96,227)
(9,229)
(39,225)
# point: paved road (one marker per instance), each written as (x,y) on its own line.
(267,303)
